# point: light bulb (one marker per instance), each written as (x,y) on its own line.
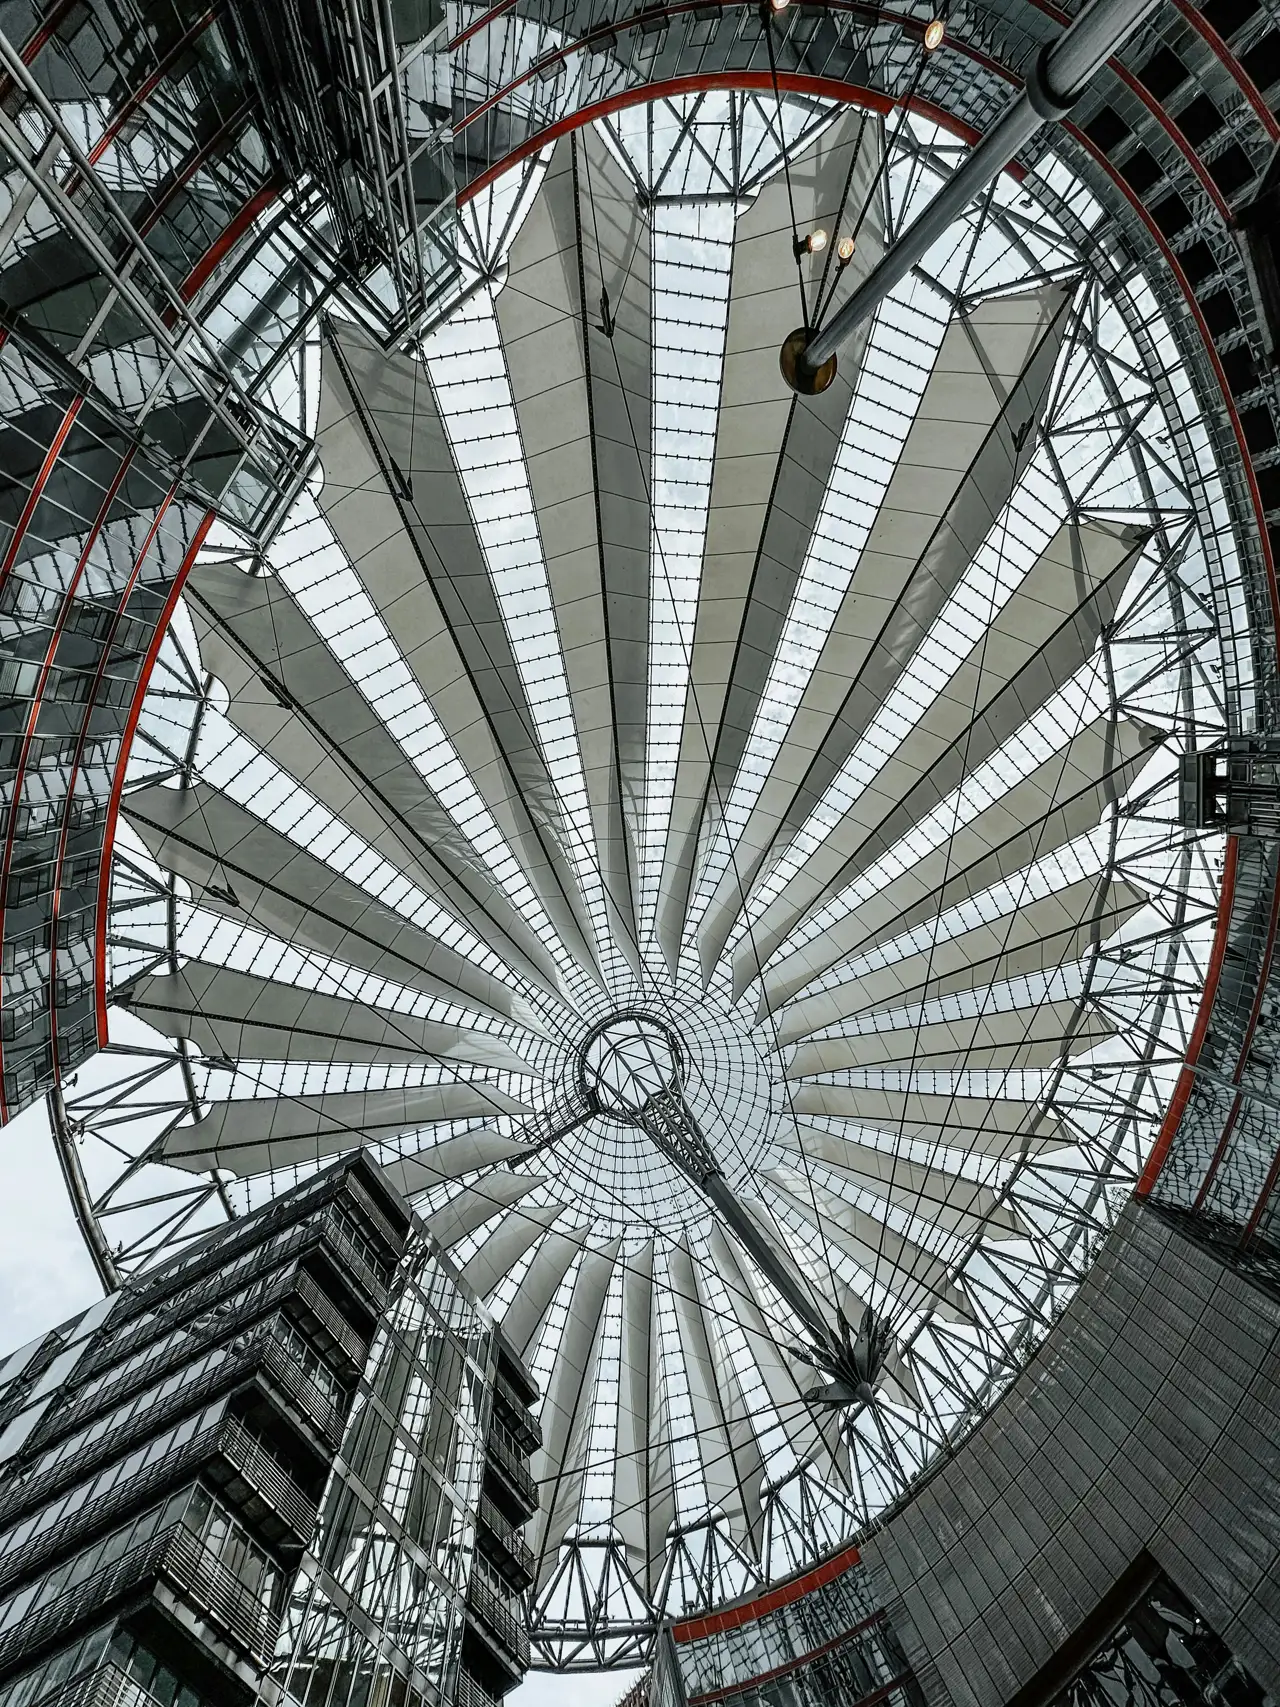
(845,250)
(934,31)
(816,241)
(778,5)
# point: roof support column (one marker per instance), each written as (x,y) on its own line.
(1055,83)
(670,1123)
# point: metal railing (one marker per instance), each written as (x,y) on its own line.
(267,1477)
(503,1452)
(240,1272)
(24,1493)
(332,1322)
(352,1262)
(376,1215)
(105,1686)
(523,1428)
(175,1556)
(196,1572)
(130,1494)
(486,1599)
(263,1351)
(290,1247)
(469,1693)
(96,1591)
(512,1548)
(103,1398)
(225,1439)
(299,1208)
(297,1385)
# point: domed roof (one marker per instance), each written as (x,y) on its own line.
(717,847)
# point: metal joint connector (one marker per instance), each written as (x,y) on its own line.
(1046,103)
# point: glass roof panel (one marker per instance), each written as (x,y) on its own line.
(924,956)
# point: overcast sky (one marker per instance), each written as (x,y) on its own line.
(585,1689)
(45,1272)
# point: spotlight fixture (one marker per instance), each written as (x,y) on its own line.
(812,244)
(844,249)
(934,31)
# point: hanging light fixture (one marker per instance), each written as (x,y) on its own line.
(813,243)
(934,31)
(844,249)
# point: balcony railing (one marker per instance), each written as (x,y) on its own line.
(105,1686)
(268,1479)
(24,1492)
(147,1421)
(511,1412)
(514,1557)
(352,1262)
(512,1463)
(486,1599)
(265,1350)
(174,1556)
(469,1693)
(513,1376)
(298,1207)
(132,1493)
(331,1323)
(297,1385)
(240,1266)
(239,1275)
(225,1440)
(376,1215)
(201,1577)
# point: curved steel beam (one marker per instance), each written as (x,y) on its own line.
(78,1192)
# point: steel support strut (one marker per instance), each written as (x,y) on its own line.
(669,1121)
(1055,83)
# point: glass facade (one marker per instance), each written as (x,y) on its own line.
(820,1640)
(379,1617)
(1164,1654)
(265,1471)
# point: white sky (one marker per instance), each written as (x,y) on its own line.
(581,1689)
(45,1272)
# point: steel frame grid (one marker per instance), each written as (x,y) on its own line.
(700,1566)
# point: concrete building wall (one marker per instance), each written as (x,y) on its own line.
(1149,1423)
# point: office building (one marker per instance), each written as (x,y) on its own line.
(277,1469)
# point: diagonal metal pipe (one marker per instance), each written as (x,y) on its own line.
(1055,83)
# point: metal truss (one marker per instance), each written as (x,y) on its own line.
(1162,667)
(1177,659)
(191,363)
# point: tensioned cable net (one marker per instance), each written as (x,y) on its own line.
(717,848)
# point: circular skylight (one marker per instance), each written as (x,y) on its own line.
(628,1061)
